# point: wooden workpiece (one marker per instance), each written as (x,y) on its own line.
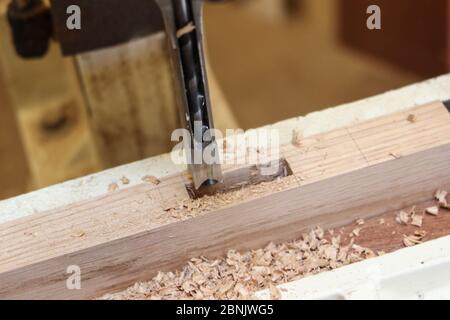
(354,172)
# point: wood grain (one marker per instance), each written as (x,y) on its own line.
(357,172)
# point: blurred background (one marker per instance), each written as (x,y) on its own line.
(270,60)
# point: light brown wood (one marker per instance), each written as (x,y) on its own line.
(120,238)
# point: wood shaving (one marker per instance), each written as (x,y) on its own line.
(402,217)
(355,232)
(417,220)
(441,197)
(382,221)
(185,30)
(412,240)
(434,211)
(113,187)
(412,118)
(151,179)
(125,180)
(360,222)
(297,137)
(78,234)
(241,275)
(395,155)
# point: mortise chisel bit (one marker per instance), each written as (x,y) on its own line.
(184,26)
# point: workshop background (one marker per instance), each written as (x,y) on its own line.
(271,60)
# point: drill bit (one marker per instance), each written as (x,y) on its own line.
(184,27)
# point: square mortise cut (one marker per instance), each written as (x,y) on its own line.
(243,177)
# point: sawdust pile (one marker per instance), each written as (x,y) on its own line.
(240,275)
(415,239)
(179,210)
(415,219)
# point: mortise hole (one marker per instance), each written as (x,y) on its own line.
(242,177)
